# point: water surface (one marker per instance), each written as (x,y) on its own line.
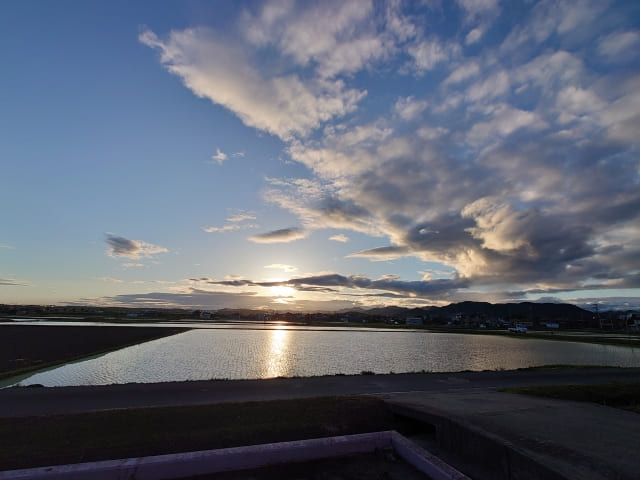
(280,351)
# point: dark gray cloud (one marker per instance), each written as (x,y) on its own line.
(326,282)
(124,247)
(381,253)
(283,235)
(194,298)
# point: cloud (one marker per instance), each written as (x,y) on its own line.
(132,265)
(619,46)
(427,54)
(123,247)
(241,217)
(192,298)
(463,72)
(409,108)
(224,228)
(12,282)
(284,235)
(386,283)
(237,154)
(512,161)
(381,253)
(280,266)
(341,237)
(109,279)
(282,104)
(219,156)
(9,247)
(336,37)
(476,7)
(474,35)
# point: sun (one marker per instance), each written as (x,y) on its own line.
(282,291)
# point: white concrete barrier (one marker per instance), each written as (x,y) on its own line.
(188,464)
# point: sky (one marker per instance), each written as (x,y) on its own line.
(325,155)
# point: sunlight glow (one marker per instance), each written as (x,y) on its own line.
(282,291)
(278,362)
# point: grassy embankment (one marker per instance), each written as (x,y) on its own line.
(61,439)
(26,348)
(616,394)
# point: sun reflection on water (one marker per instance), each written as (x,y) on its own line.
(278,353)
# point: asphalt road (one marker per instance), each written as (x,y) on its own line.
(25,401)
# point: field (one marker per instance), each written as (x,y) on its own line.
(24,348)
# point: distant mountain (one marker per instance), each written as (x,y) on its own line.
(524,309)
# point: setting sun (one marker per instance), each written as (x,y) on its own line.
(282,291)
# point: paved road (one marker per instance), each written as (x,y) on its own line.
(27,401)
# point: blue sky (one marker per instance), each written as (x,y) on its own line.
(319,155)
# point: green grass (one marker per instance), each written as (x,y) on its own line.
(60,439)
(616,394)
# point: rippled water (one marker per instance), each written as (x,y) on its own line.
(235,353)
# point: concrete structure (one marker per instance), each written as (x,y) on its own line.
(507,436)
(206,462)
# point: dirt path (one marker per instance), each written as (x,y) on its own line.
(40,401)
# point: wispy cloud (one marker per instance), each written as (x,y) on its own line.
(123,247)
(341,237)
(280,266)
(219,156)
(109,279)
(284,235)
(12,282)
(224,228)
(241,217)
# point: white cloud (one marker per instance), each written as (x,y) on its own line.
(337,37)
(463,72)
(9,247)
(341,237)
(408,108)
(219,156)
(431,133)
(232,227)
(237,154)
(241,217)
(506,120)
(427,54)
(132,265)
(474,35)
(491,87)
(284,105)
(224,228)
(620,46)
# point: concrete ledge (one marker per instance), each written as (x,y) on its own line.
(509,462)
(242,458)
